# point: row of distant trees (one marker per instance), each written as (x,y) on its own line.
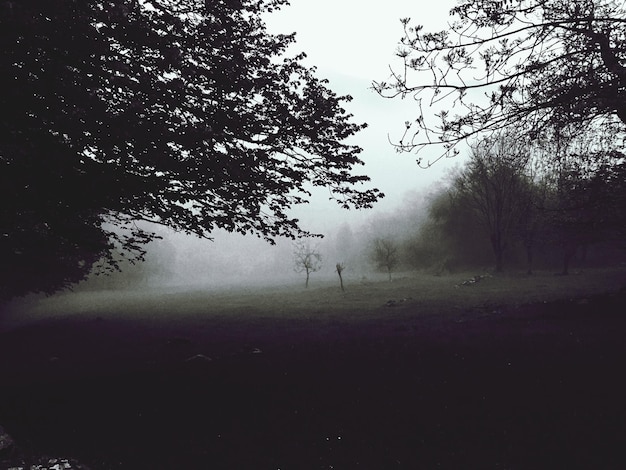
(507,207)
(514,204)
(509,204)
(307,258)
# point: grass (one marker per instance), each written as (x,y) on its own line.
(362,298)
(513,372)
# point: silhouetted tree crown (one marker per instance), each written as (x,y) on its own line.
(586,202)
(178,112)
(385,254)
(541,66)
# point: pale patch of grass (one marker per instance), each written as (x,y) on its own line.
(414,293)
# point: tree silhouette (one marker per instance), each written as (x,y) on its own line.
(496,186)
(586,201)
(385,254)
(306,259)
(542,66)
(168,111)
(339,267)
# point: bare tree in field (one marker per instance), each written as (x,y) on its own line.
(306,259)
(384,254)
(340,267)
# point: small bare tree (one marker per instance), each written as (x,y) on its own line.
(306,259)
(340,267)
(384,254)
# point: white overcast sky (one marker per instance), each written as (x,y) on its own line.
(352,42)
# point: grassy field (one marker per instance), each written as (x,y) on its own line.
(362,298)
(512,371)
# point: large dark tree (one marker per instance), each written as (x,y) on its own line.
(183,113)
(586,202)
(496,187)
(542,66)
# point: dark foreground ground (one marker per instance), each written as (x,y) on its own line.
(526,387)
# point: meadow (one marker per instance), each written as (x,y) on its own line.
(511,371)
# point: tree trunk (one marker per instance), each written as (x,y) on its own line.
(529,258)
(583,254)
(499,261)
(570,251)
(339,268)
(306,284)
(498,251)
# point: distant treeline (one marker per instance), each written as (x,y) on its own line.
(506,208)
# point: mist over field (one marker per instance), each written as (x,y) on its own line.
(179,261)
(193,270)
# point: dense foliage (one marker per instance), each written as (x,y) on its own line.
(500,199)
(585,202)
(176,112)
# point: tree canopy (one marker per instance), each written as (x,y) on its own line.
(495,185)
(542,66)
(585,201)
(182,113)
(385,254)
